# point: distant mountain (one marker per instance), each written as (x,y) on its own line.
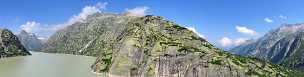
(30,41)
(10,45)
(281,46)
(151,46)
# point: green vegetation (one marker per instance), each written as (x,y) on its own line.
(107,62)
(179,27)
(188,49)
(10,46)
(252,72)
(217,62)
(239,60)
(170,43)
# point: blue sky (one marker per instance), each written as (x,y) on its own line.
(224,23)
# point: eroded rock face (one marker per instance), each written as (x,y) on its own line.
(151,46)
(10,45)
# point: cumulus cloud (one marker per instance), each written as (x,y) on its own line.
(195,31)
(245,30)
(35,27)
(138,11)
(268,20)
(227,42)
(86,11)
(30,26)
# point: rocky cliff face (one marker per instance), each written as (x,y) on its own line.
(30,41)
(151,46)
(10,45)
(280,46)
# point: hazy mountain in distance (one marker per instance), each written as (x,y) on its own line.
(30,41)
(151,46)
(281,46)
(10,45)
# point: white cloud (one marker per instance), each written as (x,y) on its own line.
(86,11)
(283,17)
(195,31)
(268,20)
(138,11)
(245,30)
(37,28)
(45,29)
(227,42)
(30,26)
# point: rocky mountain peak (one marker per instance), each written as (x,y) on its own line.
(23,32)
(30,41)
(291,27)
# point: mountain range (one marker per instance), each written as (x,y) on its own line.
(280,46)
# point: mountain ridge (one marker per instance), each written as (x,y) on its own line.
(151,46)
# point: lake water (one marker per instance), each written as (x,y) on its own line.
(47,65)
